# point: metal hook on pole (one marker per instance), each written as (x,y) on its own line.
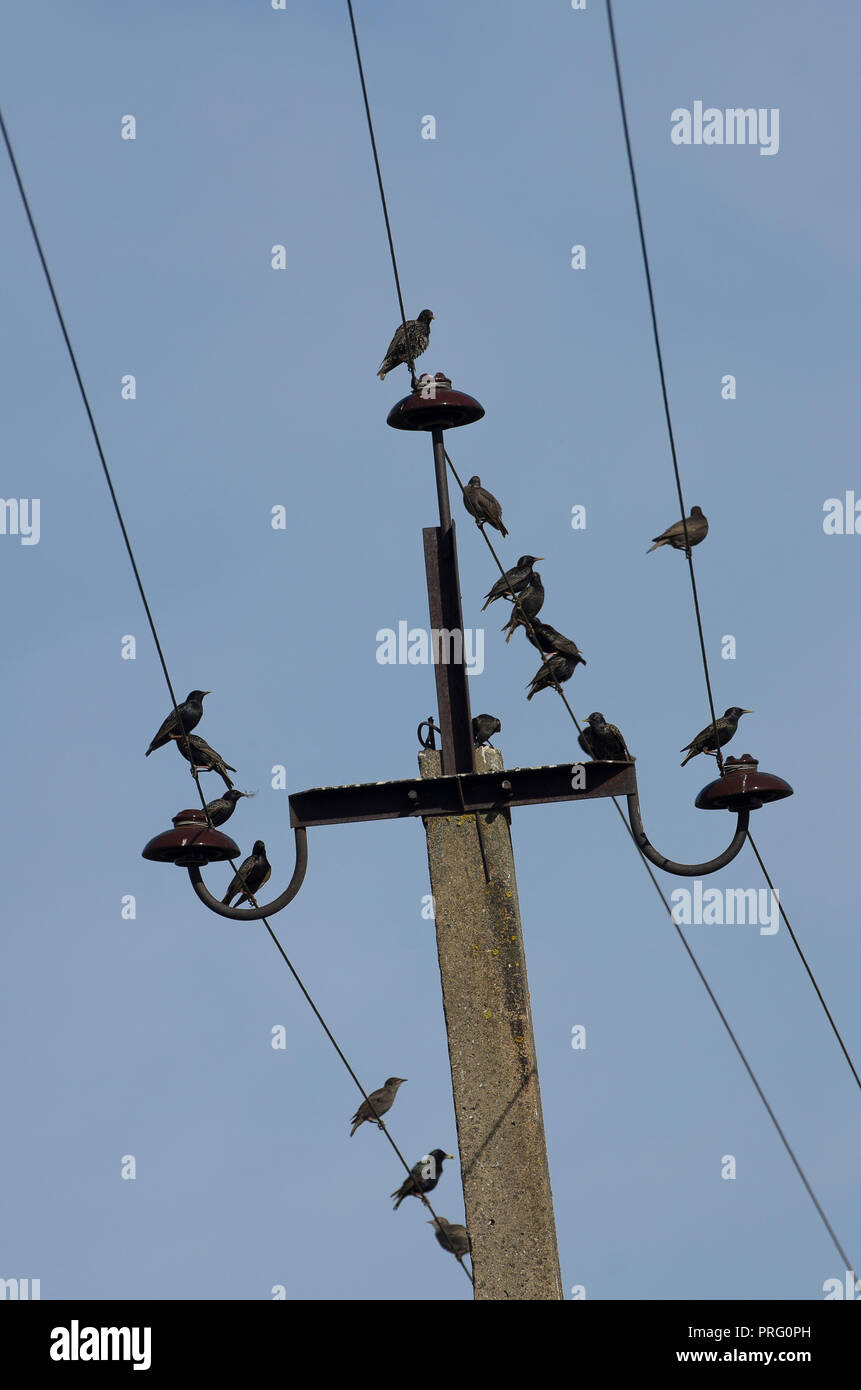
(253,914)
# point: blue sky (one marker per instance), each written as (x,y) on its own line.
(257,388)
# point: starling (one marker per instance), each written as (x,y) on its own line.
(484,726)
(548,639)
(253,873)
(529,604)
(603,742)
(382,1100)
(204,758)
(185,717)
(452,1237)
(483,505)
(423,1177)
(558,666)
(514,580)
(698,529)
(418,331)
(222,808)
(705,741)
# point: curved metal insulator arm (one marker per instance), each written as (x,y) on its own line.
(670,865)
(253,914)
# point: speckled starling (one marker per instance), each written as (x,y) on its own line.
(558,666)
(423,1177)
(603,742)
(452,1237)
(381,1100)
(418,331)
(253,873)
(515,580)
(484,726)
(483,505)
(186,716)
(204,758)
(698,529)
(222,808)
(705,741)
(548,639)
(529,604)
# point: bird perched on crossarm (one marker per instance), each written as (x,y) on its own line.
(185,717)
(381,1101)
(222,808)
(204,758)
(484,726)
(483,505)
(556,666)
(514,580)
(603,742)
(451,1236)
(698,529)
(418,337)
(423,1176)
(253,873)
(705,741)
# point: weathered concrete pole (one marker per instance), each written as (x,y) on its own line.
(506,1181)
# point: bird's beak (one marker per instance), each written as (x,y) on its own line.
(449,1155)
(207,692)
(537,558)
(748,711)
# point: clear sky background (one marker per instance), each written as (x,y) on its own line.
(256,388)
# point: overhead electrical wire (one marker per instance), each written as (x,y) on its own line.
(152,625)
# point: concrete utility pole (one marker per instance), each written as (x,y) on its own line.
(494,1072)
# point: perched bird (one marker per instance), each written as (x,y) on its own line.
(698,529)
(253,873)
(418,331)
(548,639)
(483,505)
(451,1236)
(484,726)
(204,758)
(423,1177)
(185,717)
(222,808)
(558,666)
(381,1100)
(529,604)
(705,741)
(514,580)
(603,742)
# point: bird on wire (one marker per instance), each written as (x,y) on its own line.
(204,758)
(381,1101)
(483,506)
(184,718)
(705,741)
(603,742)
(423,1176)
(253,873)
(698,529)
(222,808)
(513,581)
(529,603)
(547,639)
(556,666)
(451,1236)
(484,726)
(417,339)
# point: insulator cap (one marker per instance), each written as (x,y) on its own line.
(434,405)
(742,786)
(190,843)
